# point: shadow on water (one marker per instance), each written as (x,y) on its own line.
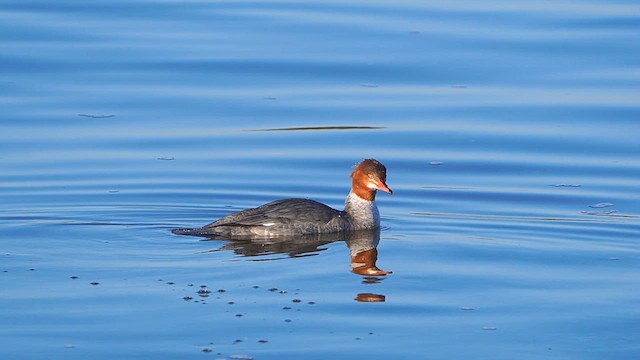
(362,245)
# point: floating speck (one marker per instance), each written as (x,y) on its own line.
(69,346)
(32,269)
(599,213)
(311,303)
(255,286)
(73,277)
(287,320)
(203,286)
(414,32)
(358,338)
(204,292)
(286,308)
(96,116)
(230,303)
(262,341)
(568,185)
(239,315)
(283,291)
(241,357)
(237,341)
(270,98)
(273,289)
(436,163)
(170,283)
(369,85)
(296,300)
(94,283)
(489,328)
(187,298)
(222,291)
(601,205)
(466,308)
(614,258)
(114,191)
(166,158)
(207,350)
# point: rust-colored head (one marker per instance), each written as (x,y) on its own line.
(367,177)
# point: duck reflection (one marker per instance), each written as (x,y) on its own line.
(362,245)
(362,248)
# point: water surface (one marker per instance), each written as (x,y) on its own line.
(509,131)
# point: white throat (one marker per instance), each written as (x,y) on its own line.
(363,214)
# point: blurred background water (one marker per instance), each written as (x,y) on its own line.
(509,131)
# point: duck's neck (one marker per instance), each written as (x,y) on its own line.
(363,213)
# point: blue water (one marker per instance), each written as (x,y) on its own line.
(509,132)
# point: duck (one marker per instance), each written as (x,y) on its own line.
(298,216)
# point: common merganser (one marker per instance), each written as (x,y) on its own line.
(294,217)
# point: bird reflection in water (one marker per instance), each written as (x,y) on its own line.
(362,247)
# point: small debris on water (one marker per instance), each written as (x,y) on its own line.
(207,350)
(283,291)
(100,116)
(69,346)
(94,283)
(241,357)
(369,85)
(239,315)
(273,289)
(614,258)
(600,213)
(489,328)
(73,277)
(436,163)
(167,158)
(567,185)
(204,292)
(262,341)
(187,298)
(601,205)
(296,300)
(466,308)
(222,291)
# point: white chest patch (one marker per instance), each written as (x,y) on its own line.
(363,214)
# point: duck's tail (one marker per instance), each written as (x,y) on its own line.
(186,231)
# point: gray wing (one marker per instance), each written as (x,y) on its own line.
(284,212)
